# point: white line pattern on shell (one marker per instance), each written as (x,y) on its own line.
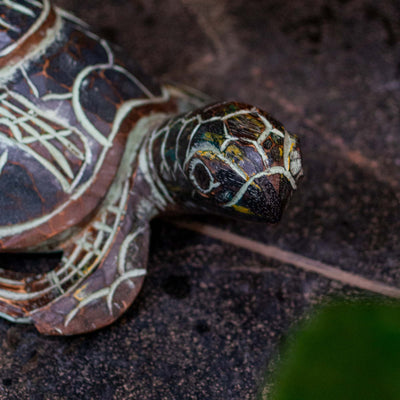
(31,85)
(6,25)
(35,26)
(19,7)
(3,160)
(35,3)
(36,129)
(74,189)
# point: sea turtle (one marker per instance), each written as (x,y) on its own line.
(91,149)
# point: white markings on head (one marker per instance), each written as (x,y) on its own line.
(289,169)
(295,163)
(207,149)
(291,156)
(271,171)
(209,182)
(213,151)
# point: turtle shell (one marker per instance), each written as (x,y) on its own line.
(67,106)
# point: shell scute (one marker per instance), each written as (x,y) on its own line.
(65,111)
(16,20)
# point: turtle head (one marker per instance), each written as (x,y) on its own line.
(240,161)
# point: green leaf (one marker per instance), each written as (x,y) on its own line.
(345,352)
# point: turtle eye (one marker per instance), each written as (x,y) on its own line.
(201,176)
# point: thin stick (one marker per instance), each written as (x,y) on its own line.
(294,259)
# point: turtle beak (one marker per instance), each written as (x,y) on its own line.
(258,200)
(264,196)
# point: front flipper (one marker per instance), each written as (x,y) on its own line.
(100,274)
(104,295)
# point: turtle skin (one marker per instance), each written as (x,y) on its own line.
(91,149)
